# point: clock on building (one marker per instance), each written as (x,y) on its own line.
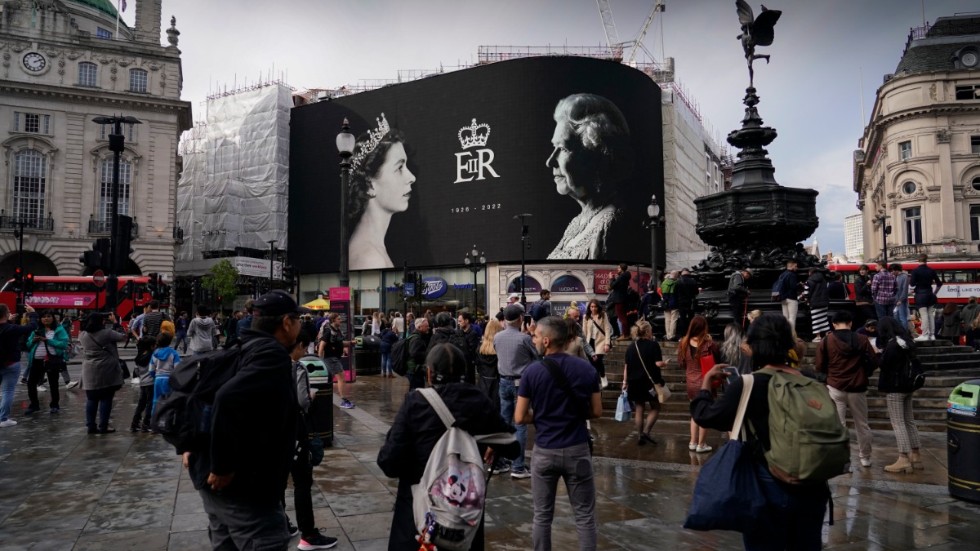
(969,58)
(35,62)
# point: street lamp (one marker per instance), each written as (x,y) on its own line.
(345,148)
(117,144)
(654,221)
(886,230)
(475,260)
(19,234)
(525,244)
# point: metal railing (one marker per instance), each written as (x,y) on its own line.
(32,224)
(104,227)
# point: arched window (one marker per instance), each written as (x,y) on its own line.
(976,183)
(137,80)
(88,74)
(105,189)
(30,175)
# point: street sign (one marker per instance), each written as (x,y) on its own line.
(98,279)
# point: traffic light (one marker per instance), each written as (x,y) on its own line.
(124,235)
(98,257)
(29,285)
(18,279)
(152,284)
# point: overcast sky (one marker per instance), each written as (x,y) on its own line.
(811,92)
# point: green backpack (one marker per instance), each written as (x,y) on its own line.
(807,441)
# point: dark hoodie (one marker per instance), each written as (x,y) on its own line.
(254,443)
(842,355)
(817,290)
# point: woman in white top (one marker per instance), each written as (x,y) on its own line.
(592,156)
(380,186)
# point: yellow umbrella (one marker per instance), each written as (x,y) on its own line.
(318,304)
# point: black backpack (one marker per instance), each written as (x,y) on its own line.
(183,416)
(399,355)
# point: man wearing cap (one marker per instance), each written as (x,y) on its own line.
(242,475)
(515,351)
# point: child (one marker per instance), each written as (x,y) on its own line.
(146,381)
(162,365)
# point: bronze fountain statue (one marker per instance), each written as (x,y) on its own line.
(756,31)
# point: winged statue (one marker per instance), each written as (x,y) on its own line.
(756,31)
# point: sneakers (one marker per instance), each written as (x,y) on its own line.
(520,473)
(316,541)
(865,461)
(42,388)
(692,446)
(7,423)
(71,384)
(346,404)
(55,410)
(500,468)
(922,338)
(293,531)
(703,449)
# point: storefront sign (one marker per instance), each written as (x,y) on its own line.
(339,294)
(531,285)
(603,277)
(568,284)
(257,267)
(434,288)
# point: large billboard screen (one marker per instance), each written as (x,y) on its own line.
(444,164)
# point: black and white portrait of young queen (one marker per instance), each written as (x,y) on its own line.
(592,158)
(380,186)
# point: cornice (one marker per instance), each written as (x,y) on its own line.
(927,111)
(94,95)
(96,45)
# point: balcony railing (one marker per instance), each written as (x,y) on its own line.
(935,251)
(104,227)
(32,224)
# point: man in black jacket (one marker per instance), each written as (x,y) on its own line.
(418,347)
(616,303)
(242,476)
(686,292)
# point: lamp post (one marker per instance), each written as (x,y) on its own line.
(654,220)
(525,243)
(886,230)
(19,234)
(117,144)
(272,260)
(475,260)
(345,148)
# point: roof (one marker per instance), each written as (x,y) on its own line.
(104,6)
(933,49)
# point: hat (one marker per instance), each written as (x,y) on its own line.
(278,303)
(513,312)
(514,296)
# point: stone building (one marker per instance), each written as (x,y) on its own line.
(917,168)
(62,63)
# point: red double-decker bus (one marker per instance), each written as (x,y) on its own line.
(961,280)
(65,293)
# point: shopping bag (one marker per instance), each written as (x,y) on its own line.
(623,409)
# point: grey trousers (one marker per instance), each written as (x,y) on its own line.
(903,422)
(237,526)
(574,465)
(857,402)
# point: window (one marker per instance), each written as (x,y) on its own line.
(975,145)
(976,183)
(908,188)
(32,122)
(968,92)
(137,80)
(913,225)
(128,130)
(905,150)
(105,189)
(30,167)
(975,222)
(88,74)
(103,34)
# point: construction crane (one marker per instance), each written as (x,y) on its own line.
(612,34)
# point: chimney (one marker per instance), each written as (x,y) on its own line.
(148,21)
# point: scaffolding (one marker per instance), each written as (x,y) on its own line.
(233,191)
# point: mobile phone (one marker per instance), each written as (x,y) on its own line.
(527,319)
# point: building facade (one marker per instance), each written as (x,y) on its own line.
(65,62)
(917,168)
(854,237)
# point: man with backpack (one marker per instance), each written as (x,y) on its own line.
(241,474)
(559,394)
(848,359)
(541,308)
(786,292)
(782,405)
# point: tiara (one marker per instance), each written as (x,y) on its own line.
(374,138)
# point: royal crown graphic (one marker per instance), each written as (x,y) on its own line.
(474,135)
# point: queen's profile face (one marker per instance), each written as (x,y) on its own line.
(571,166)
(393,183)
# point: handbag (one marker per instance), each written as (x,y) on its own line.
(663,391)
(707,361)
(623,409)
(52,363)
(728,494)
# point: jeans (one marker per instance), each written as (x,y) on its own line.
(236,525)
(902,314)
(36,376)
(101,400)
(574,465)
(884,310)
(385,363)
(8,383)
(508,401)
(181,338)
(790,308)
(795,518)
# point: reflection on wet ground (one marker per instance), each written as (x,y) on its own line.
(63,489)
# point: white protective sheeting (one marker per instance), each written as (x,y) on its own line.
(233,189)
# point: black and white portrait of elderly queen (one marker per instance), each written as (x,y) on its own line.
(591,162)
(380,186)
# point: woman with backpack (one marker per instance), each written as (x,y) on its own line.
(795,511)
(894,382)
(695,351)
(417,428)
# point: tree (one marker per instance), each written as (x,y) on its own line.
(222,280)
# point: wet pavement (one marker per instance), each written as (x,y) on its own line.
(63,489)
